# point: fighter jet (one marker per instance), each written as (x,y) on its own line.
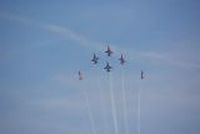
(142,75)
(80,75)
(109,51)
(108,67)
(95,59)
(122,60)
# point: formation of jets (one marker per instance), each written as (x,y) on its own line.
(108,67)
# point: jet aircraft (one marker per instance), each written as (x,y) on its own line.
(80,75)
(142,75)
(95,59)
(109,51)
(108,67)
(122,60)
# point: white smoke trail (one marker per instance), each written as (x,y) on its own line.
(103,105)
(91,116)
(114,113)
(124,99)
(139,111)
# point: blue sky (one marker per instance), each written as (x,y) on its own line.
(43,44)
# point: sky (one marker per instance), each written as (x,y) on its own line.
(43,45)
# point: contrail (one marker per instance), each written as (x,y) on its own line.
(114,113)
(91,116)
(124,103)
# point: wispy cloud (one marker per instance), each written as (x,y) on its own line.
(69,34)
(169,59)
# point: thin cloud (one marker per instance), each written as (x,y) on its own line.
(169,59)
(66,33)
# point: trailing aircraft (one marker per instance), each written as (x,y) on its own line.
(142,75)
(108,67)
(80,75)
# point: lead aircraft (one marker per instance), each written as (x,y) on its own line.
(109,51)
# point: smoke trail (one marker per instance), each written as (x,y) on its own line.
(139,111)
(114,113)
(124,103)
(91,117)
(103,105)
